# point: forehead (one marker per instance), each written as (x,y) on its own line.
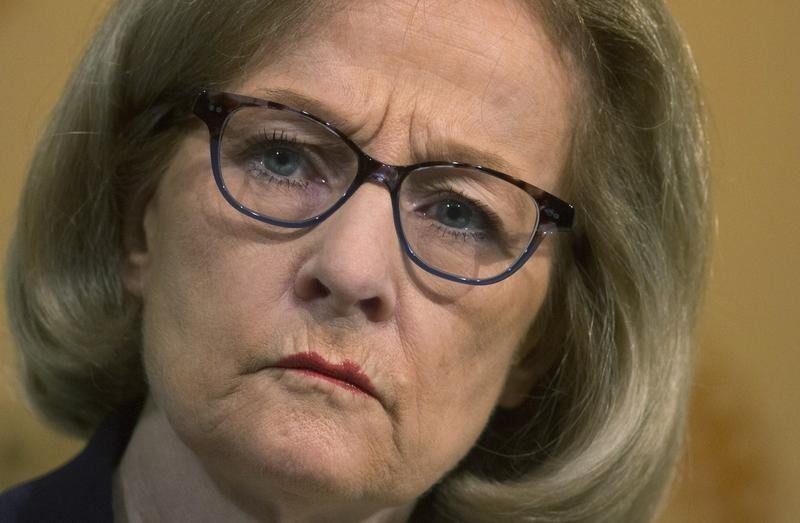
(416,80)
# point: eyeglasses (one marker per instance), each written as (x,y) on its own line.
(288,168)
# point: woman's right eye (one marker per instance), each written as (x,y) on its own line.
(279,161)
(282,161)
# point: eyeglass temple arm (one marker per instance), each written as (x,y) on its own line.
(213,112)
(556,212)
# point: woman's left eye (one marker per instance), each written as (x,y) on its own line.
(282,161)
(457,215)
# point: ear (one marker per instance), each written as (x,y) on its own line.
(529,365)
(138,235)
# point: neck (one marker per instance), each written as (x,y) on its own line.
(160,479)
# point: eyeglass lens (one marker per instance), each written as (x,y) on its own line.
(458,220)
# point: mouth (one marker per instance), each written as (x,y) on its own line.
(346,374)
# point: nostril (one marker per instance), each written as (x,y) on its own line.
(312,289)
(319,289)
(371,306)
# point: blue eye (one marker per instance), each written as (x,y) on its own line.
(282,161)
(455,214)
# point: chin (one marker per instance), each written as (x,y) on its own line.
(294,466)
(295,447)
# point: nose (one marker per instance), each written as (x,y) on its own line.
(354,264)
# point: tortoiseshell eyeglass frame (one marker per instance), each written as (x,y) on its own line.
(215,108)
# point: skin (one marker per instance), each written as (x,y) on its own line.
(224,294)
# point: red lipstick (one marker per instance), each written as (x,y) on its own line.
(346,374)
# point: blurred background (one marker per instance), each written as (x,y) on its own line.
(742,463)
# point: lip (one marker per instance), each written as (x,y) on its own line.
(346,374)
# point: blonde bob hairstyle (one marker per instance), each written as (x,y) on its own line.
(598,437)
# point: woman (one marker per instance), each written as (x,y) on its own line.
(269,337)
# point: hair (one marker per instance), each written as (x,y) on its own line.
(598,438)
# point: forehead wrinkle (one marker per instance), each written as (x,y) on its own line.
(428,36)
(428,39)
(339,117)
(437,23)
(424,148)
(500,58)
(521,153)
(419,42)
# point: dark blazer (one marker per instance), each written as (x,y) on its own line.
(79,491)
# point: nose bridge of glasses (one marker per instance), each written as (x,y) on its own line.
(381,173)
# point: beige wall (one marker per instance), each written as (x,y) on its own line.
(40,41)
(743,463)
(745,448)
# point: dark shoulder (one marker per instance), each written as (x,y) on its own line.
(81,489)
(71,493)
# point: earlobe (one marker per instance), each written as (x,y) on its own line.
(138,236)
(133,268)
(528,368)
(519,382)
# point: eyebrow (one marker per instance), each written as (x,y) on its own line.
(303,102)
(463,153)
(436,150)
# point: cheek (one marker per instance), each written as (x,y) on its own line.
(461,354)
(206,299)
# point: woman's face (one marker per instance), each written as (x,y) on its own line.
(228,299)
